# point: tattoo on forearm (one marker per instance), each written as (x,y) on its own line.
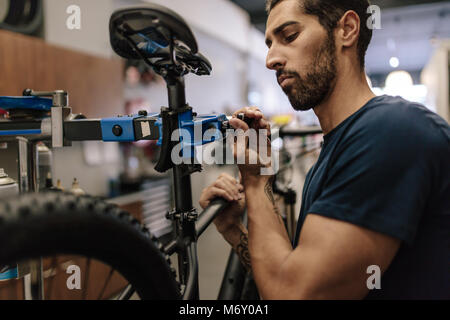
(268,189)
(243,252)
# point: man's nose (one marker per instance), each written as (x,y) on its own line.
(274,60)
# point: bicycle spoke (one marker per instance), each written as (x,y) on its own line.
(106,283)
(86,279)
(51,277)
(127,293)
(36,279)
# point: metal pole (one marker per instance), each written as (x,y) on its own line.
(23,163)
(183,201)
(233,279)
(182,184)
(209,214)
(28,182)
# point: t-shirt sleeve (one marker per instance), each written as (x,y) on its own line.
(380,177)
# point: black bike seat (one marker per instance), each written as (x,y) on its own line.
(154,22)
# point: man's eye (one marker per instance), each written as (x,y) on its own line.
(292,37)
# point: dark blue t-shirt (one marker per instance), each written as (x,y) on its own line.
(387,168)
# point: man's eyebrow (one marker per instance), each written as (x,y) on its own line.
(280,28)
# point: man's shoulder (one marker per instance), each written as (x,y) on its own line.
(395,120)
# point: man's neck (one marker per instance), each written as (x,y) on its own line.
(350,94)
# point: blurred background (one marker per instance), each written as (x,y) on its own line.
(42,48)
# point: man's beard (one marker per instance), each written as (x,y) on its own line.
(310,91)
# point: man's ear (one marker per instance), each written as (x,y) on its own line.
(349,28)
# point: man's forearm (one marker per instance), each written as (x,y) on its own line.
(269,244)
(237,237)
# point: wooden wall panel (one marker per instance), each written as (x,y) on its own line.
(95,84)
(95,87)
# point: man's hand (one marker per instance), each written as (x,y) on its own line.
(230,189)
(229,222)
(243,150)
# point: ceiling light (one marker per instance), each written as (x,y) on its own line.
(398,81)
(394,62)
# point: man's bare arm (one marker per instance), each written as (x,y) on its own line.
(229,222)
(330,262)
(237,237)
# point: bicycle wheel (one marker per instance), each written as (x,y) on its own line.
(63,228)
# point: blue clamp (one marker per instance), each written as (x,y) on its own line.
(203,123)
(120,129)
(9,274)
(29,103)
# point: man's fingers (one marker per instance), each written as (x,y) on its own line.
(230,181)
(264,124)
(245,110)
(230,188)
(239,124)
(249,112)
(258,115)
(222,186)
(217,192)
(259,121)
(233,187)
(231,184)
(226,176)
(225,186)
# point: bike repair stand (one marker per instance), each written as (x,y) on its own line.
(28,169)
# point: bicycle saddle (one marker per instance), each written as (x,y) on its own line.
(154,23)
(160,37)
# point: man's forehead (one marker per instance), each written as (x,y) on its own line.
(286,10)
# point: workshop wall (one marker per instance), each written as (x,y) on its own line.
(95,86)
(92,38)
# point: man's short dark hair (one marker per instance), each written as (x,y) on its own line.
(329,12)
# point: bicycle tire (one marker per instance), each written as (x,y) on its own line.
(44,224)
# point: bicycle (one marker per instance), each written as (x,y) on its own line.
(37,225)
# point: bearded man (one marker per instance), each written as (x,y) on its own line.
(379,194)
